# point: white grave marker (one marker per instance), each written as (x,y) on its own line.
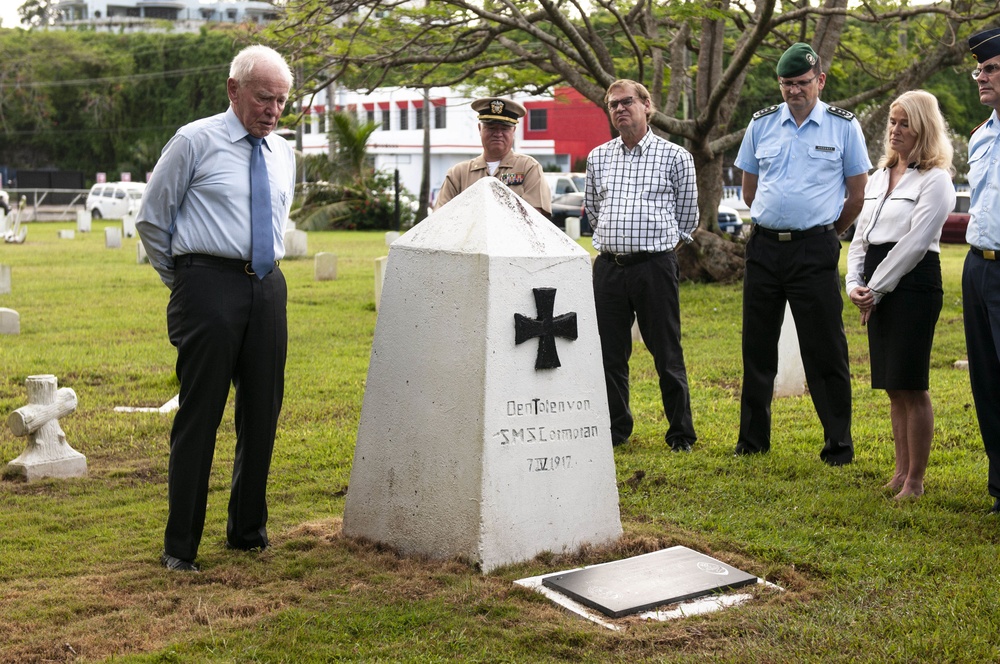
(83,221)
(4,279)
(485,432)
(66,234)
(140,253)
(791,378)
(128,223)
(296,241)
(325,266)
(112,237)
(380,264)
(10,321)
(47,454)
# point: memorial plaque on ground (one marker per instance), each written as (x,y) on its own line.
(645,582)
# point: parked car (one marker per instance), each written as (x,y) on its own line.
(953,231)
(111,200)
(564,183)
(729,221)
(567,205)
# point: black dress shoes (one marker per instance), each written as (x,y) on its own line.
(253,548)
(996,507)
(178,565)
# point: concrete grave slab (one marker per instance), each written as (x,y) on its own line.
(5,282)
(112,237)
(471,444)
(325,266)
(10,321)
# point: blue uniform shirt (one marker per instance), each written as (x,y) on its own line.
(198,198)
(984,183)
(801,171)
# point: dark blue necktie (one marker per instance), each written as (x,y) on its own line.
(261,230)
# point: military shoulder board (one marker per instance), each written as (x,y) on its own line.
(765,111)
(840,113)
(512,179)
(978,126)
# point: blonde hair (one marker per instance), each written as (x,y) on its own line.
(933,146)
(639,90)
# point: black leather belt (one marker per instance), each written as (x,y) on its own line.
(204,260)
(787,236)
(988,254)
(625,260)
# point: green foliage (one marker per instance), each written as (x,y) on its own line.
(102,102)
(350,206)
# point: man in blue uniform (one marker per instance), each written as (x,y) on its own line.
(981,276)
(799,159)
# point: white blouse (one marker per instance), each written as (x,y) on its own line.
(911,216)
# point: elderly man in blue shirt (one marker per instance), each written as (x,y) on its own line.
(981,275)
(212,222)
(800,159)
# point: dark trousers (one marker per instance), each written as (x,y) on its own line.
(981,311)
(804,273)
(647,292)
(228,327)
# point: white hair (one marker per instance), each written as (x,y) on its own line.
(241,69)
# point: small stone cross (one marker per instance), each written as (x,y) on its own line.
(47,454)
(545,327)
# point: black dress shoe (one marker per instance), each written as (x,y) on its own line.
(178,565)
(996,507)
(680,446)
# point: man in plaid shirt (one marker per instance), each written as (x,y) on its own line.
(642,200)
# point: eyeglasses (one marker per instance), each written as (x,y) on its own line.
(989,70)
(788,85)
(625,102)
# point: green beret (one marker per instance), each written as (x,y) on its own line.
(797,60)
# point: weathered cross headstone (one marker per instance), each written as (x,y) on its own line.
(10,321)
(47,454)
(112,237)
(791,378)
(5,281)
(325,266)
(471,444)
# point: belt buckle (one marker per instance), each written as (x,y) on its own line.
(989,254)
(618,259)
(784,237)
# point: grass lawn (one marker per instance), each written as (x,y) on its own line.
(867,578)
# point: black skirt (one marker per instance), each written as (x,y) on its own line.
(901,329)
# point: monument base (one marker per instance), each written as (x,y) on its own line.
(30,467)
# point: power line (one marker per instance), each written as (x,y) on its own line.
(120,79)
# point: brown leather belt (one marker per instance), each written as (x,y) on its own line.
(786,236)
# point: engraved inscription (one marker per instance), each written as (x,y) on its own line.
(544,434)
(538,406)
(544,464)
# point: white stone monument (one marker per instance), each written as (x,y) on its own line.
(485,432)
(791,378)
(296,241)
(4,278)
(83,220)
(47,454)
(10,321)
(112,237)
(128,223)
(325,266)
(573,227)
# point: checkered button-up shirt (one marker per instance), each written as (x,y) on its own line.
(641,200)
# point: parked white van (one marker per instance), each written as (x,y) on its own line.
(111,200)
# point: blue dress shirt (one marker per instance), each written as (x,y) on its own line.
(801,171)
(198,198)
(984,183)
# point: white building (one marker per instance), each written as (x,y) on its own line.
(399,140)
(140,15)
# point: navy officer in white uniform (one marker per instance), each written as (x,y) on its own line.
(805,166)
(981,275)
(226,313)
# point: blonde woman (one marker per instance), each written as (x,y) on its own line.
(894,273)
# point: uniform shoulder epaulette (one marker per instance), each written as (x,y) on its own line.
(840,113)
(765,111)
(974,129)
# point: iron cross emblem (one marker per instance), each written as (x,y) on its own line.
(545,327)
